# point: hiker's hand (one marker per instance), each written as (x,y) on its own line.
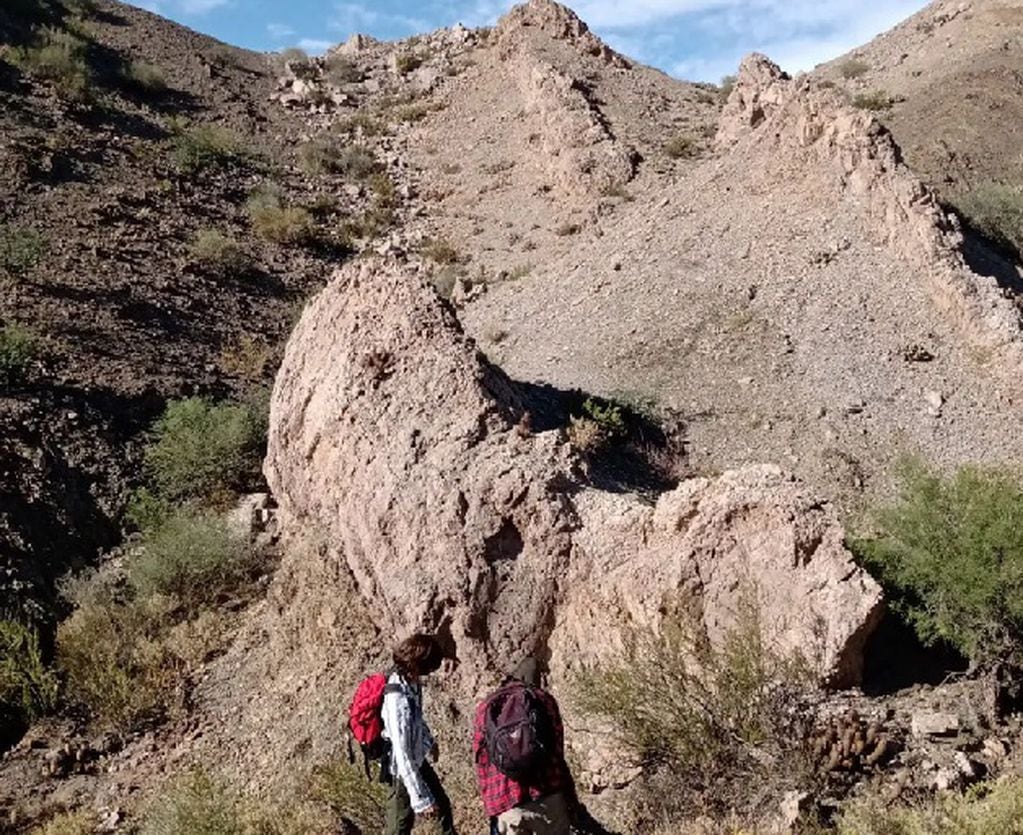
(435,752)
(430,813)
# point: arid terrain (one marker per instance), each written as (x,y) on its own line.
(563,357)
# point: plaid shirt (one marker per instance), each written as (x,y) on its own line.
(499,792)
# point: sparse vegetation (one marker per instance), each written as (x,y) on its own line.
(599,424)
(875,100)
(362,123)
(439,251)
(357,162)
(319,156)
(726,86)
(201,147)
(344,788)
(682,147)
(521,271)
(986,808)
(995,210)
(341,71)
(201,450)
(705,715)
(219,253)
(190,557)
(69,823)
(407,62)
(27,688)
(21,249)
(294,55)
(146,77)
(853,68)
(277,222)
(950,554)
(247,358)
(18,347)
(58,56)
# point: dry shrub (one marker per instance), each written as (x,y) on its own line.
(340,70)
(985,809)
(682,147)
(566,229)
(247,358)
(345,788)
(69,823)
(319,156)
(853,68)
(18,348)
(277,222)
(357,162)
(27,688)
(439,251)
(727,86)
(195,149)
(995,210)
(407,62)
(702,721)
(58,56)
(875,100)
(219,253)
(21,250)
(146,77)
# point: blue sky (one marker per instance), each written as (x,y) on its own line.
(698,40)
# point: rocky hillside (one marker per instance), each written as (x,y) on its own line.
(614,357)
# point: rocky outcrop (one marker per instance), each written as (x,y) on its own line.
(397,445)
(804,121)
(558,22)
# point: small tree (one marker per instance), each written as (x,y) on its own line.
(950,554)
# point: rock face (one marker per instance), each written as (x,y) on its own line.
(396,444)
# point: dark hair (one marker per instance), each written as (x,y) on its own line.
(419,655)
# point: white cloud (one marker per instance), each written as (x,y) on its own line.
(315,46)
(279,30)
(200,7)
(357,17)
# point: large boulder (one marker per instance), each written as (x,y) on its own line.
(397,445)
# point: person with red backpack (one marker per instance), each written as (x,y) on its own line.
(519,746)
(416,791)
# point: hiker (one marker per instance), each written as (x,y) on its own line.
(415,789)
(519,747)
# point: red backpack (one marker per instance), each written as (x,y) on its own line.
(365,722)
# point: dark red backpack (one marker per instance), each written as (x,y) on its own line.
(518,733)
(365,720)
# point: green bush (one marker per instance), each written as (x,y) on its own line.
(204,146)
(876,100)
(986,809)
(218,253)
(853,68)
(18,347)
(27,688)
(678,702)
(682,147)
(191,557)
(950,553)
(21,249)
(599,424)
(59,57)
(996,210)
(344,788)
(201,450)
(146,77)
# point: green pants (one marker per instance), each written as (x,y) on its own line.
(400,817)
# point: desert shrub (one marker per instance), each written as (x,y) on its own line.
(875,100)
(146,77)
(201,804)
(357,162)
(407,62)
(361,122)
(995,210)
(113,660)
(682,147)
(247,358)
(985,808)
(385,195)
(219,253)
(21,249)
(69,823)
(344,788)
(678,702)
(599,424)
(277,222)
(853,68)
(439,251)
(414,112)
(201,147)
(27,688)
(60,57)
(319,156)
(726,86)
(949,551)
(191,557)
(201,450)
(18,347)
(339,70)
(370,224)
